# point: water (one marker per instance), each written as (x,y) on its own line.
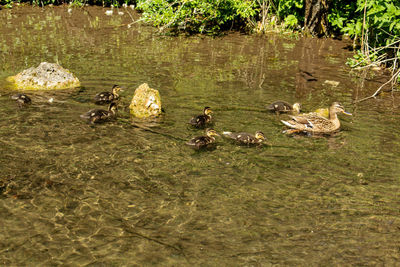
(115,194)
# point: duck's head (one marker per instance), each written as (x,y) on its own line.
(336,107)
(211,132)
(116,88)
(113,107)
(259,135)
(207,111)
(297,107)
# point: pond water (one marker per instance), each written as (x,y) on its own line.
(114,194)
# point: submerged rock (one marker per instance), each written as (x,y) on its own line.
(47,76)
(146,102)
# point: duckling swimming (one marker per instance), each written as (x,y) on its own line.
(21,99)
(246,138)
(282,106)
(107,97)
(316,124)
(100,115)
(202,120)
(203,141)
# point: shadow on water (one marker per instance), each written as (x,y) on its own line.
(130,192)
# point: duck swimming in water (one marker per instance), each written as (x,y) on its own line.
(100,115)
(246,138)
(22,99)
(316,124)
(282,106)
(203,141)
(202,120)
(107,97)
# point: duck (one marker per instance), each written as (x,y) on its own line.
(22,99)
(316,124)
(203,141)
(246,138)
(101,115)
(282,106)
(201,121)
(107,97)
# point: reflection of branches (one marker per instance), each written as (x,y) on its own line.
(377,92)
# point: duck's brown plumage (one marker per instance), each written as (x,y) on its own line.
(204,140)
(246,138)
(22,99)
(202,120)
(107,97)
(314,123)
(283,106)
(100,115)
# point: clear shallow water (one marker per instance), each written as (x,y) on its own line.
(114,194)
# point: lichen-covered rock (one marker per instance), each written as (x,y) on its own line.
(47,76)
(146,102)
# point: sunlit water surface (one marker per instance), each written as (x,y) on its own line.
(115,194)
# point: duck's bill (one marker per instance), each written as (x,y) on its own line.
(347,113)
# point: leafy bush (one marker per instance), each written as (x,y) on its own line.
(197,16)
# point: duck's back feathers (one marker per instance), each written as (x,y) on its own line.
(22,99)
(100,115)
(200,141)
(104,98)
(200,121)
(245,138)
(280,106)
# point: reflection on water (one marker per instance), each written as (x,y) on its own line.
(115,194)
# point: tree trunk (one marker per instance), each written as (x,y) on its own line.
(316,17)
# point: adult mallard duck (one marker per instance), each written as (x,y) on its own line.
(107,97)
(246,138)
(282,106)
(203,141)
(313,123)
(21,99)
(202,120)
(101,115)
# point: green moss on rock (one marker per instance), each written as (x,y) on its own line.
(146,102)
(47,76)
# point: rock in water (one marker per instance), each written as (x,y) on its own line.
(146,102)
(47,76)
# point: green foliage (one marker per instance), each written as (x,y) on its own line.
(291,11)
(382,19)
(6,3)
(291,21)
(380,28)
(197,16)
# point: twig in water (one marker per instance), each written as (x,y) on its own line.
(377,92)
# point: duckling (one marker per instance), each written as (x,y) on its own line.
(100,115)
(200,121)
(22,99)
(246,138)
(107,97)
(203,141)
(282,106)
(314,123)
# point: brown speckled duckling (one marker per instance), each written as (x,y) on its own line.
(246,138)
(107,97)
(202,120)
(22,99)
(282,106)
(203,141)
(100,115)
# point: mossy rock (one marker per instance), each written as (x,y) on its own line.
(47,76)
(146,102)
